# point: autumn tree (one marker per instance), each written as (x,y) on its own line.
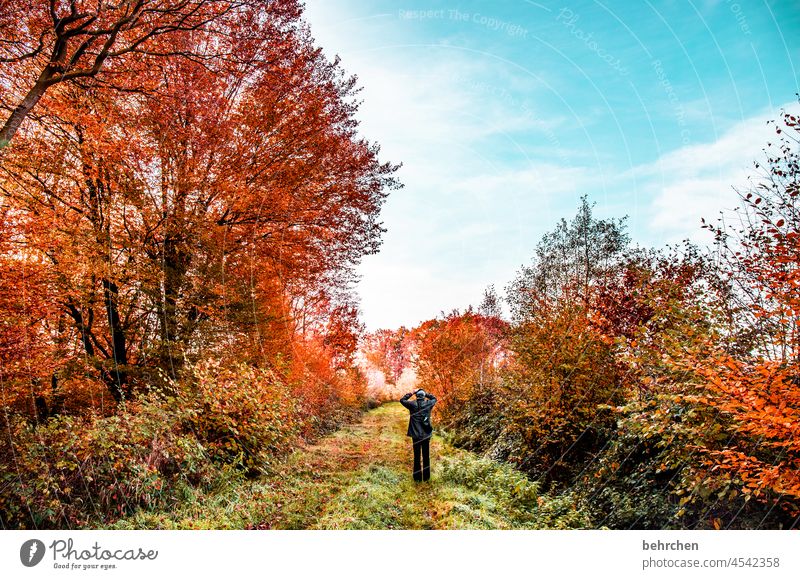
(28,356)
(753,378)
(562,370)
(223,208)
(457,357)
(706,343)
(389,351)
(48,44)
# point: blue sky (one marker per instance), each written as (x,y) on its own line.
(505,113)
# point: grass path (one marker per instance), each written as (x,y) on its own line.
(360,478)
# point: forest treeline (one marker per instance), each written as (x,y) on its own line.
(655,388)
(184,196)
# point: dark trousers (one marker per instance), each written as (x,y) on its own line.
(422,448)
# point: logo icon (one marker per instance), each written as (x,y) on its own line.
(31,553)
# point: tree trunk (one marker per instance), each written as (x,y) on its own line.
(112,380)
(175,263)
(21,111)
(118,341)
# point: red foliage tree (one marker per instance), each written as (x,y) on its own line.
(754,381)
(76,42)
(390,351)
(204,206)
(458,353)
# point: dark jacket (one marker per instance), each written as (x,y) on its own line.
(419,423)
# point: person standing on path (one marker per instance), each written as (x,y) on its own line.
(420,430)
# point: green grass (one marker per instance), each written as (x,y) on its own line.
(360,478)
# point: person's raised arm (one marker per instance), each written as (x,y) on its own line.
(404,401)
(432,398)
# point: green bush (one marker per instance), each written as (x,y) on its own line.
(69,471)
(515,495)
(653,473)
(242,415)
(215,423)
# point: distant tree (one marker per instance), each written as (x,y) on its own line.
(389,351)
(567,262)
(491,304)
(457,353)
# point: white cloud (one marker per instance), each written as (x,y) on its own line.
(543,178)
(698,181)
(407,293)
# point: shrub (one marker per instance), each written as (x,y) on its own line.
(517,497)
(242,415)
(72,471)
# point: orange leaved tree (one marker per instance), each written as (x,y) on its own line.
(755,380)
